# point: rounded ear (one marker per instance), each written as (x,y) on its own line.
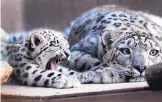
(107,37)
(36,39)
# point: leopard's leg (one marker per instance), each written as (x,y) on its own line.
(137,79)
(94,70)
(32,75)
(83,77)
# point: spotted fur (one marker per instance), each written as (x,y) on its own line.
(116,44)
(31,58)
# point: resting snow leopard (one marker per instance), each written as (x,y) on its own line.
(36,59)
(116,44)
(109,45)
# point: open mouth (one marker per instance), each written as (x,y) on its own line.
(53,63)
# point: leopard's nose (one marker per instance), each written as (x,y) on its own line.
(140,68)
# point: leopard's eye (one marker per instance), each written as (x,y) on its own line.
(153,52)
(125,51)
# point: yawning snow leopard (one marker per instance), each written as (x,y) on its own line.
(36,59)
(114,43)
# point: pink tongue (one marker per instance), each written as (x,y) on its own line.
(53,65)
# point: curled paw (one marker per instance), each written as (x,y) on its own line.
(66,82)
(137,79)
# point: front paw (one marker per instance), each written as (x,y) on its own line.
(66,82)
(109,75)
(137,79)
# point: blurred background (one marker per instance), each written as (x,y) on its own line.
(23,15)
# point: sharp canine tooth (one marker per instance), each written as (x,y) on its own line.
(59,59)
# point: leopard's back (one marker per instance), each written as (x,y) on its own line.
(86,23)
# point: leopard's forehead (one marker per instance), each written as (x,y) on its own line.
(137,40)
(145,33)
